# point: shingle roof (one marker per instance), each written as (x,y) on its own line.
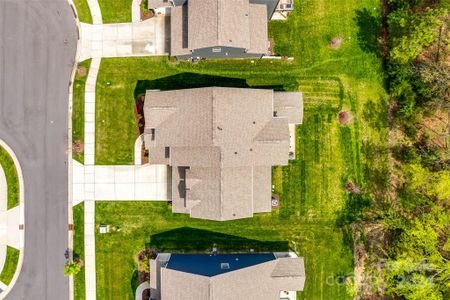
(262,280)
(227,137)
(226,23)
(287,104)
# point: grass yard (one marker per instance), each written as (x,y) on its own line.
(152,224)
(83,11)
(9,269)
(115,11)
(78,110)
(12,180)
(337,68)
(78,250)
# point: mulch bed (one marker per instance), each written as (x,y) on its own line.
(345,117)
(336,42)
(139,113)
(77,147)
(81,71)
(146,13)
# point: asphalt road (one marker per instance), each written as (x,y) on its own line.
(37,50)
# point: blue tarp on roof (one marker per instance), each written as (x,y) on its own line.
(215,264)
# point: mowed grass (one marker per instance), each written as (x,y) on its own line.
(78,250)
(312,187)
(152,224)
(9,269)
(12,180)
(83,11)
(78,109)
(115,11)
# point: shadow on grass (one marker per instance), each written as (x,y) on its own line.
(193,80)
(375,114)
(187,81)
(134,283)
(191,240)
(369,31)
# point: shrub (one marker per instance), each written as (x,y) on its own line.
(71,268)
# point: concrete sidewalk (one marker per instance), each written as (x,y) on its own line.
(147,38)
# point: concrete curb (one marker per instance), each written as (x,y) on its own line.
(21,217)
(69,150)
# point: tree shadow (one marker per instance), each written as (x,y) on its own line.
(375,114)
(191,240)
(369,31)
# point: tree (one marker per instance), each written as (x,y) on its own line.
(432,84)
(418,268)
(411,31)
(430,184)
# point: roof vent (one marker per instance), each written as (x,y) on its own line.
(224,266)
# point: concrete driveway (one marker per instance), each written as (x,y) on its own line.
(37,52)
(146,182)
(146,38)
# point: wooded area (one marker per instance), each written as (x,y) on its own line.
(403,241)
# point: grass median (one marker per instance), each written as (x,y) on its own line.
(83,11)
(78,250)
(78,110)
(12,179)
(9,269)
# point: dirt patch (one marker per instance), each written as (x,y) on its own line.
(77,147)
(345,117)
(436,127)
(336,42)
(81,71)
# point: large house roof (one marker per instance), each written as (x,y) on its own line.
(221,143)
(250,276)
(219,23)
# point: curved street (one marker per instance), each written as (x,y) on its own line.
(37,53)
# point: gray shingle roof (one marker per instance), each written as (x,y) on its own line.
(226,23)
(262,281)
(227,137)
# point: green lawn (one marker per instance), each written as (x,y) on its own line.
(78,250)
(83,11)
(312,187)
(115,11)
(153,224)
(78,109)
(11,178)
(9,269)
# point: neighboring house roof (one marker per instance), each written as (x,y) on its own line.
(221,143)
(204,276)
(219,23)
